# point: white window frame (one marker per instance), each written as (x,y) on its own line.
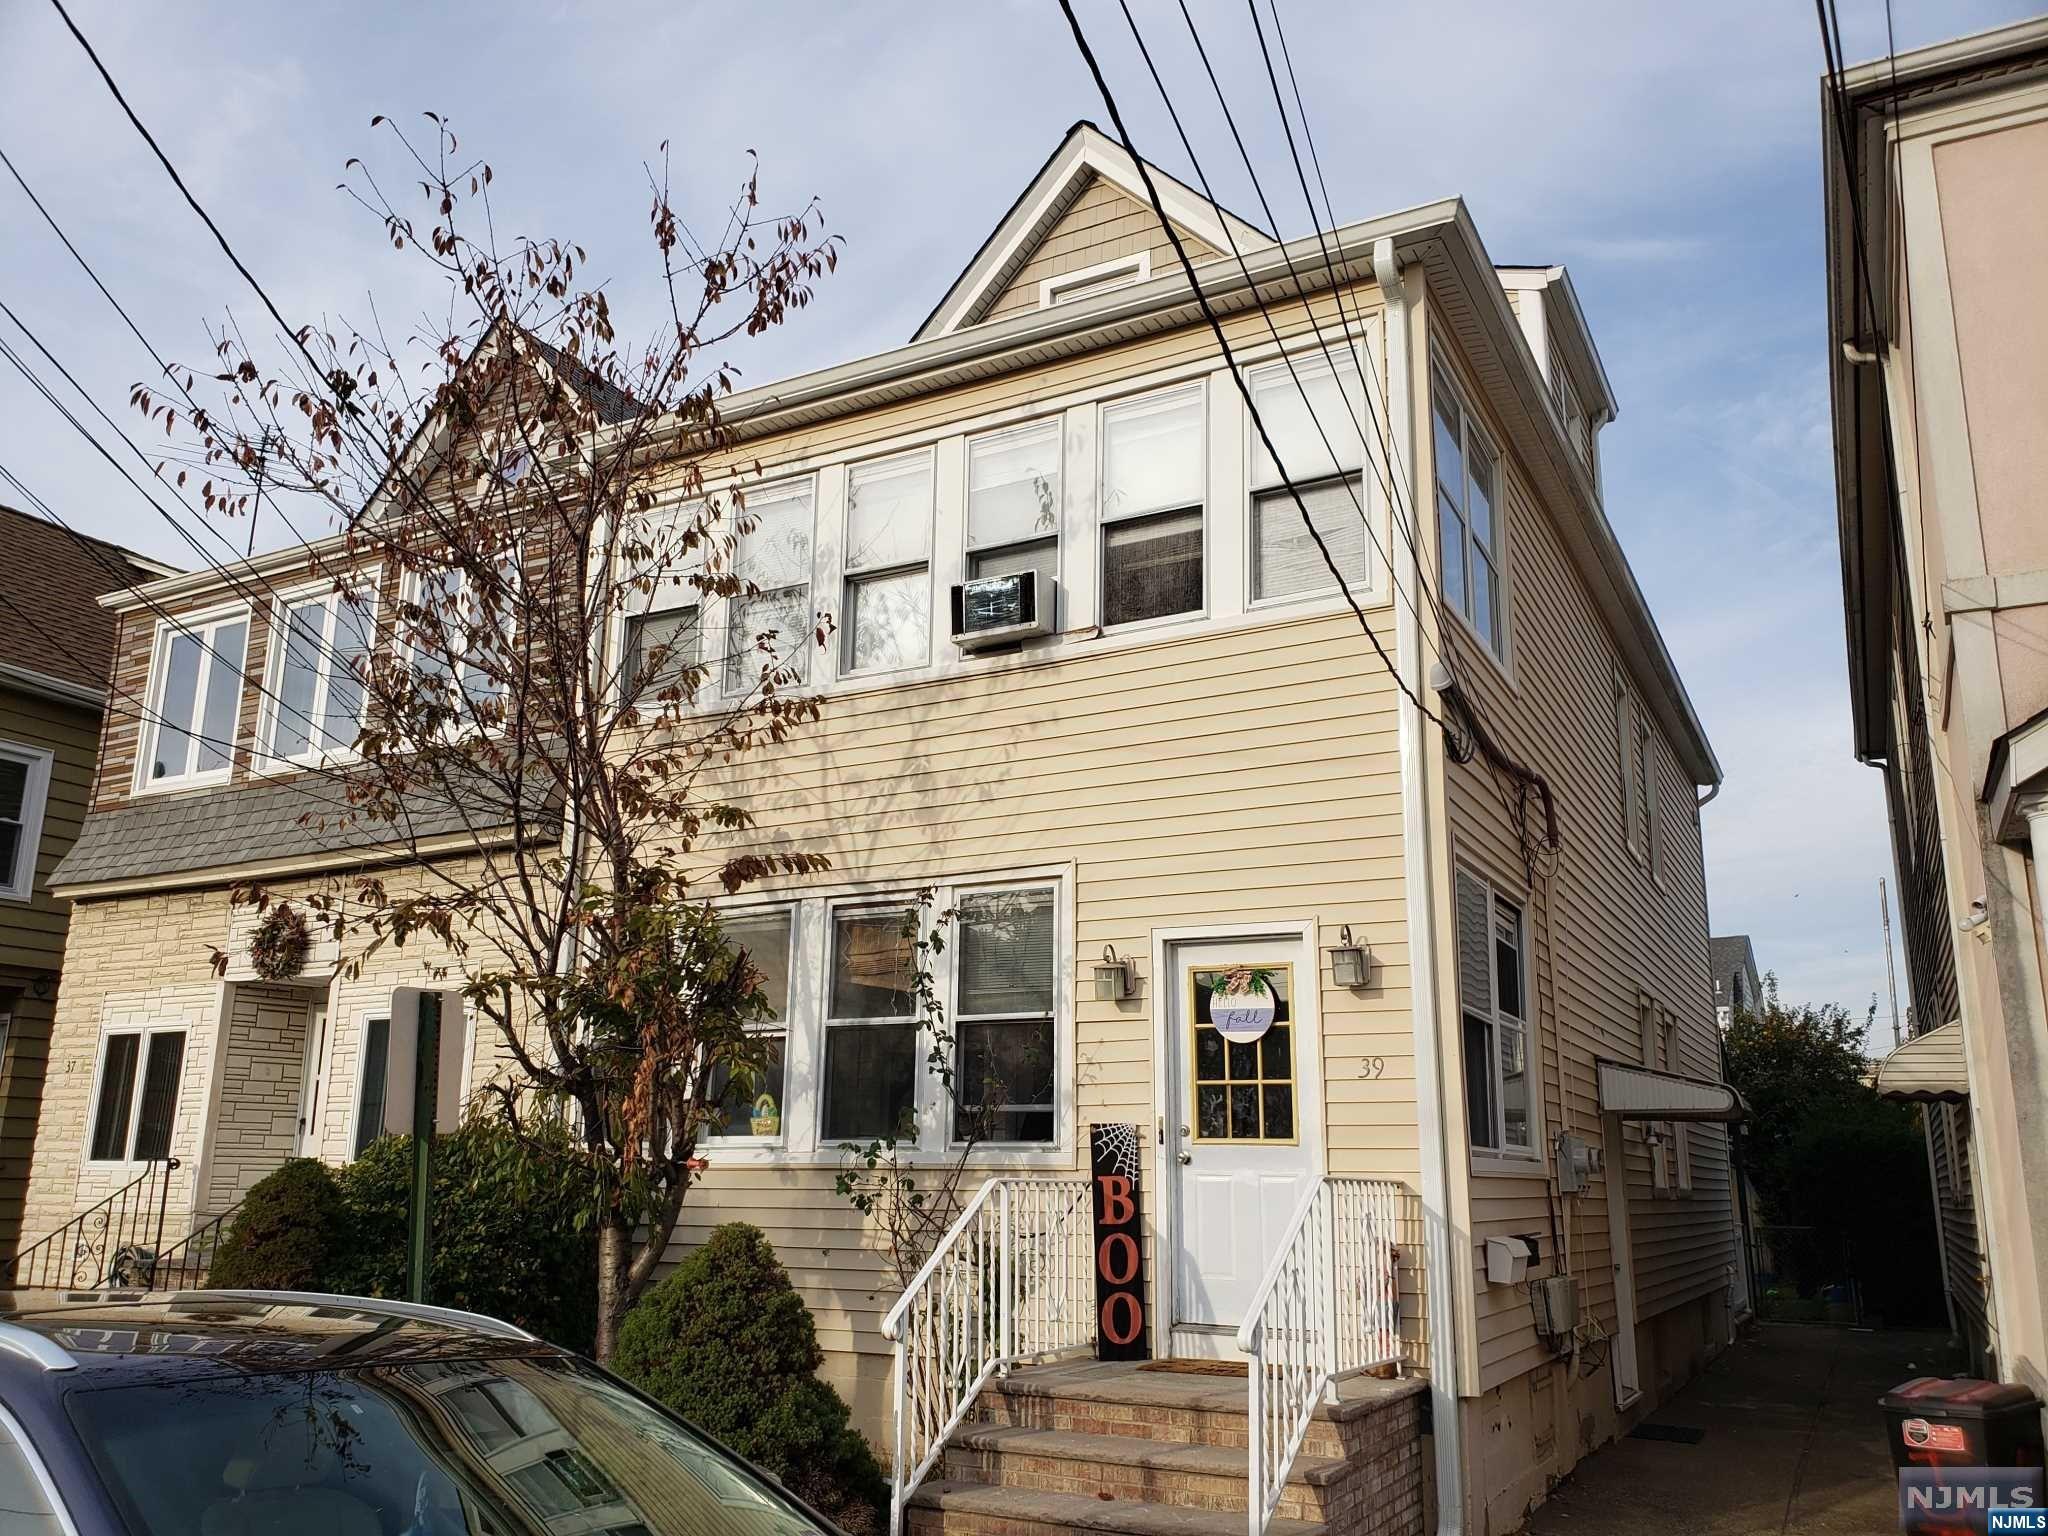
(1642,790)
(782,1027)
(364,1020)
(803,1143)
(271,705)
(20,884)
(1444,386)
(1501,1158)
(950,959)
(147,1033)
(853,575)
(1376,588)
(204,627)
(968,553)
(1101,277)
(807,678)
(1198,391)
(515,554)
(921,917)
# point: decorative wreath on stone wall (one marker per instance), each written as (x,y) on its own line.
(281,943)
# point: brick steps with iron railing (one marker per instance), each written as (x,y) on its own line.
(1089,1446)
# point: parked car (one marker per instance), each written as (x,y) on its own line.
(267,1413)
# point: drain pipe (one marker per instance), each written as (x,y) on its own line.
(1439,1241)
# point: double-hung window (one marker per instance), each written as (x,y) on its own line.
(1153,471)
(460,638)
(1493,1005)
(770,623)
(888,564)
(1003,1081)
(871,1053)
(750,1102)
(662,646)
(135,1102)
(1468,516)
(196,691)
(320,648)
(24,790)
(1013,502)
(1314,411)
(1643,831)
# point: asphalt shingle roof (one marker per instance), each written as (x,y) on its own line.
(49,578)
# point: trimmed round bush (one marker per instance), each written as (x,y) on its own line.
(725,1341)
(286,1235)
(510,1237)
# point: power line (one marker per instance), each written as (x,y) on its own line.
(1236,374)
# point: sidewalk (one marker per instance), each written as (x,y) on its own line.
(1794,1445)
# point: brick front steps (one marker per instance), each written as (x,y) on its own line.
(1106,1448)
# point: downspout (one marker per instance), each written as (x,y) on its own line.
(1447,1427)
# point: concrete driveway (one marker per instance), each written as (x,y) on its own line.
(1794,1443)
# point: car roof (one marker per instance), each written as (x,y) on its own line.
(176,1332)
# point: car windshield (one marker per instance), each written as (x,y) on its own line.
(505,1447)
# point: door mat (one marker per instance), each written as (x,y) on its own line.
(1676,1434)
(1197,1367)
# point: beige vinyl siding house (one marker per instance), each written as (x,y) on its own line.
(1202,763)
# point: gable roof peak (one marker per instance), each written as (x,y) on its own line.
(1084,155)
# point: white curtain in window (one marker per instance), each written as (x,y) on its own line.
(1152,454)
(1013,486)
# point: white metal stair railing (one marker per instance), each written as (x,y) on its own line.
(1012,1279)
(1328,1307)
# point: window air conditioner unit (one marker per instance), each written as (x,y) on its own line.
(1000,610)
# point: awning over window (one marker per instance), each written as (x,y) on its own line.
(1637,1093)
(1927,1069)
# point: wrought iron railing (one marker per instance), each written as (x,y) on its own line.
(1329,1307)
(102,1245)
(1010,1280)
(183,1265)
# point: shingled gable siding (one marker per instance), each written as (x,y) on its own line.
(1104,223)
(1602,932)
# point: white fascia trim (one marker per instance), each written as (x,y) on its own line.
(43,685)
(1086,151)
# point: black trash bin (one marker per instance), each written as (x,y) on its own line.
(1956,1423)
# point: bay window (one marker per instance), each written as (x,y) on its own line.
(750,1102)
(1322,451)
(1494,1012)
(871,1048)
(888,611)
(1013,502)
(196,693)
(320,648)
(1468,516)
(1153,471)
(770,624)
(1003,1082)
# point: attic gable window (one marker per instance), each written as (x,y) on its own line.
(1103,277)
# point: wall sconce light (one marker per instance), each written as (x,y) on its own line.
(1350,962)
(1112,977)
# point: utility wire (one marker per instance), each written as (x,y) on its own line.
(1236,373)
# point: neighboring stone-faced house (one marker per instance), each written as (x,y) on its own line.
(56,650)
(1938,349)
(1180,754)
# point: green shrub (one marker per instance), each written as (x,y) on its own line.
(726,1341)
(506,1239)
(287,1235)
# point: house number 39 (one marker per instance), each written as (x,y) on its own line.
(1373,1066)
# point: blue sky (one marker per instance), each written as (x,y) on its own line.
(1667,154)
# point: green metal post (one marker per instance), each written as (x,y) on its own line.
(426,1081)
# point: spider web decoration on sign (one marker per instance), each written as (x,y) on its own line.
(1118,1146)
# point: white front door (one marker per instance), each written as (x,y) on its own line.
(1244,1122)
(313,1083)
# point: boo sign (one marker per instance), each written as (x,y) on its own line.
(1120,1332)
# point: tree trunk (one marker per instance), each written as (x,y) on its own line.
(614,1255)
